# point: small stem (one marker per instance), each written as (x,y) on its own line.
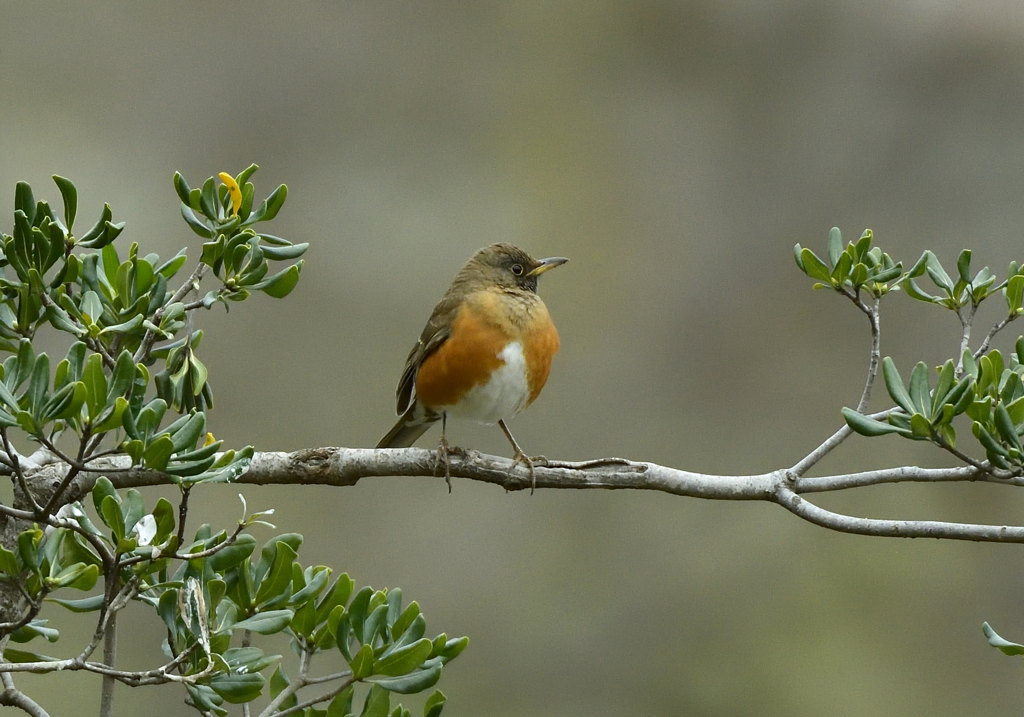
(876,333)
(183,513)
(980,465)
(94,344)
(315,700)
(293,687)
(73,471)
(965,338)
(190,284)
(11,696)
(828,445)
(19,474)
(996,328)
(109,645)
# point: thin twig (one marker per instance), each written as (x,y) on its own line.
(876,332)
(966,322)
(150,337)
(109,643)
(290,689)
(330,694)
(803,508)
(996,328)
(829,444)
(19,474)
(11,696)
(73,470)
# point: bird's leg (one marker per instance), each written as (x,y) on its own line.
(443,453)
(521,457)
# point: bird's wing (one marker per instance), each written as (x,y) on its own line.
(435,333)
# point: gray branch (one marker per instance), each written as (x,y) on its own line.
(786,487)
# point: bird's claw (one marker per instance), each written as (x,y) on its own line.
(529,462)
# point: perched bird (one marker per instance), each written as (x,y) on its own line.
(485,352)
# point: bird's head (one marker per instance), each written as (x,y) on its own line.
(509,267)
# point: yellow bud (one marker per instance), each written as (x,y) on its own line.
(209,439)
(234,191)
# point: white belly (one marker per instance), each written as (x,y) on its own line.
(503,396)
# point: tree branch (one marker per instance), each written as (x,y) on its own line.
(347,466)
(11,696)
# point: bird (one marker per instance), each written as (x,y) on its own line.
(484,354)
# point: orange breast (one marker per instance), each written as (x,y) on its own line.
(465,360)
(482,328)
(540,344)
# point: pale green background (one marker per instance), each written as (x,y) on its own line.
(675,151)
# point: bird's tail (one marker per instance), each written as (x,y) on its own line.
(406,430)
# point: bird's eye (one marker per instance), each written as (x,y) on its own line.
(517,269)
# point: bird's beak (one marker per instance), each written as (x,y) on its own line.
(545,264)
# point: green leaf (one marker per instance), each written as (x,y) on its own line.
(24,201)
(944,385)
(272,205)
(1014,293)
(70,196)
(208,199)
(894,385)
(236,687)
(195,224)
(125,327)
(283,253)
(9,564)
(78,576)
(1004,646)
(181,187)
(405,660)
(841,271)
(915,292)
(870,427)
(934,268)
(277,579)
(377,704)
(374,624)
(38,388)
(95,380)
(158,453)
(402,627)
(919,392)
(317,580)
(266,623)
(835,245)
(110,417)
(434,704)
(452,648)
(996,453)
(188,433)
(415,681)
(89,604)
(963,266)
(230,556)
(920,427)
(110,512)
(341,704)
(280,284)
(1004,425)
(362,662)
(65,403)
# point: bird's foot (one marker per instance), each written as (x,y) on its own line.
(443,456)
(529,462)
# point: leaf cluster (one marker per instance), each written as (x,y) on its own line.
(212,593)
(989,392)
(980,385)
(131,382)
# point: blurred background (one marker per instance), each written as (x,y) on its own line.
(675,151)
